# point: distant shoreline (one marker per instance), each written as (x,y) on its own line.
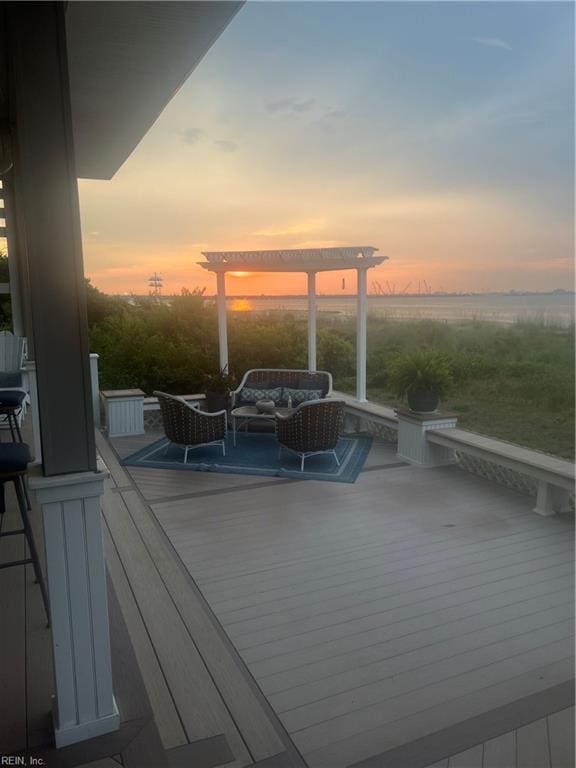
(339,296)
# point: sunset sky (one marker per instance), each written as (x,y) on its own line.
(441,133)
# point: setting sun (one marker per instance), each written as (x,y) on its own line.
(241,305)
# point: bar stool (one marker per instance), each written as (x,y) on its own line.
(11,404)
(14,460)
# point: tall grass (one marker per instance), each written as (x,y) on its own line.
(514,382)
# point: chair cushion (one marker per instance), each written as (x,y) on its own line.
(14,397)
(14,457)
(299,396)
(253,394)
(10,379)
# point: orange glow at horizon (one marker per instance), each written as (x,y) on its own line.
(241,305)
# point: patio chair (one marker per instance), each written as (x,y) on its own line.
(189,427)
(14,395)
(312,428)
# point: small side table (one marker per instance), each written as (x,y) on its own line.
(244,414)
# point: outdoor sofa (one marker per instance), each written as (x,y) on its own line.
(282,385)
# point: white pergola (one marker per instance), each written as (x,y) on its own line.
(308,260)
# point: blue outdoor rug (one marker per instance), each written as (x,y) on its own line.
(257,454)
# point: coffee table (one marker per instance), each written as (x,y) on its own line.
(244,414)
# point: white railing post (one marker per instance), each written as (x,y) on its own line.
(32,387)
(94,381)
(551,500)
(413,445)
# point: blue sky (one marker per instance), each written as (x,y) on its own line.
(441,133)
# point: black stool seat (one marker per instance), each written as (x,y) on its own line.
(11,406)
(12,398)
(14,460)
(14,457)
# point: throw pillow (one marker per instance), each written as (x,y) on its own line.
(300,396)
(250,395)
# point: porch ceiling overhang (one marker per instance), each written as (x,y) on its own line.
(293,260)
(126,62)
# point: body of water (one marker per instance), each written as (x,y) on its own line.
(556,309)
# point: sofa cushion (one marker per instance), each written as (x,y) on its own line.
(253,394)
(299,396)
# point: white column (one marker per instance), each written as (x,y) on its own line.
(551,500)
(32,388)
(413,445)
(222,329)
(84,705)
(361,315)
(95,386)
(312,321)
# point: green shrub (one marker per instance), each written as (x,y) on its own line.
(424,370)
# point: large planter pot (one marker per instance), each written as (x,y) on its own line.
(217,401)
(423,401)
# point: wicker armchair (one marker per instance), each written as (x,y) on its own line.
(312,428)
(187,426)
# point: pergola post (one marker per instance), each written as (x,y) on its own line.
(361,317)
(222,327)
(312,321)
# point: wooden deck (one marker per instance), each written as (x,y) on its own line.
(377,615)
(415,617)
(184,695)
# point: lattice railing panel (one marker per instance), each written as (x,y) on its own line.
(497,473)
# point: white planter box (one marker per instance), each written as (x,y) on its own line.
(124,411)
(412,443)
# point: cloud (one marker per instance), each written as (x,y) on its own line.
(290,104)
(493,42)
(332,113)
(191,135)
(309,225)
(226,146)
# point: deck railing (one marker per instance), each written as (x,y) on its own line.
(548,478)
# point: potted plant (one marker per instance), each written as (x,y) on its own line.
(422,377)
(217,387)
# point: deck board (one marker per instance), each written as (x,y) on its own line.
(471,758)
(256,727)
(166,715)
(532,748)
(39,665)
(425,722)
(202,711)
(13,715)
(501,751)
(376,613)
(561,738)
